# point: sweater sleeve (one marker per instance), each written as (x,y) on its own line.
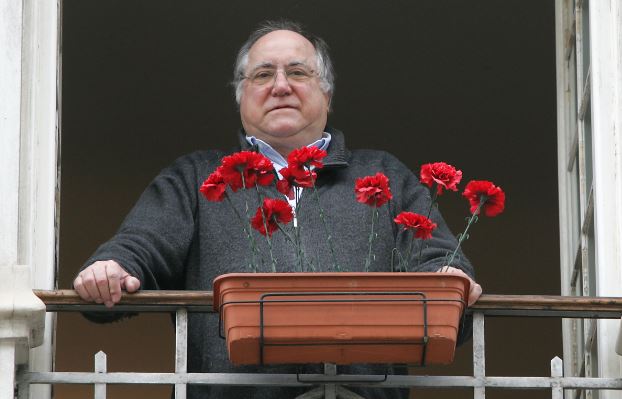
(153,241)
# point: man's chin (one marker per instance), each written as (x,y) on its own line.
(283,129)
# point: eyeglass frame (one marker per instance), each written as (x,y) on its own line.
(310,73)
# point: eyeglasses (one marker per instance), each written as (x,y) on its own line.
(267,75)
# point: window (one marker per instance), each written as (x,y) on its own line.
(578,260)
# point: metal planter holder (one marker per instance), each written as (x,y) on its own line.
(310,298)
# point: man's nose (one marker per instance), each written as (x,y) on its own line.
(281,85)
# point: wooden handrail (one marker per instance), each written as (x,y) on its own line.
(489,304)
(145,297)
(549,305)
(69,300)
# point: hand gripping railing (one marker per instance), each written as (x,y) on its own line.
(331,385)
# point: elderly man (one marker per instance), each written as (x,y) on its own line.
(174,239)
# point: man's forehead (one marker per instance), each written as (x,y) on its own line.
(281,47)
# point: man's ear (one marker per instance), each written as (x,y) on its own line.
(329,101)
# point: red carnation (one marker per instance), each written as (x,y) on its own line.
(295,177)
(373,190)
(256,169)
(491,197)
(421,225)
(276,211)
(213,188)
(444,175)
(305,157)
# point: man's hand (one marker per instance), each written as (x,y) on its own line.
(476,289)
(103,281)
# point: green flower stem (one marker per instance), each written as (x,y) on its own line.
(411,245)
(289,238)
(326,231)
(393,252)
(265,226)
(472,220)
(246,226)
(254,248)
(374,213)
(297,244)
(296,200)
(432,202)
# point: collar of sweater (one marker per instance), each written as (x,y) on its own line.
(337,157)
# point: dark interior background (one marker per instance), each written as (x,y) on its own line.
(471,83)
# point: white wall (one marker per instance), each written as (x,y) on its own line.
(606,64)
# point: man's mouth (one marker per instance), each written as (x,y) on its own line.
(285,106)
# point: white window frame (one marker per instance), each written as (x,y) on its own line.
(29,120)
(590,214)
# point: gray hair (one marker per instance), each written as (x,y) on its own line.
(324,64)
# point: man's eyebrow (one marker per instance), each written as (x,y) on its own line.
(268,64)
(265,64)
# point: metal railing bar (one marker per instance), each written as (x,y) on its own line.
(101,367)
(330,390)
(479,353)
(557,372)
(289,380)
(181,350)
(568,314)
(183,302)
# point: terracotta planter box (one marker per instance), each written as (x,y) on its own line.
(342,318)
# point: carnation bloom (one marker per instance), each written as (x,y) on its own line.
(256,169)
(213,188)
(373,190)
(444,175)
(490,196)
(275,211)
(293,176)
(305,157)
(422,226)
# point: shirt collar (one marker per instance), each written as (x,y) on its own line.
(276,158)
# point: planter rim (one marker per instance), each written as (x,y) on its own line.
(336,275)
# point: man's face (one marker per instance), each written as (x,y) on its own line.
(286,113)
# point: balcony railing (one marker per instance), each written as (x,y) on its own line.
(329,384)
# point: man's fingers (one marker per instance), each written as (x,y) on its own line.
(90,285)
(78,285)
(474,292)
(101,280)
(130,283)
(114,283)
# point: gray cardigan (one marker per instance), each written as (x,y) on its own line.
(175,239)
